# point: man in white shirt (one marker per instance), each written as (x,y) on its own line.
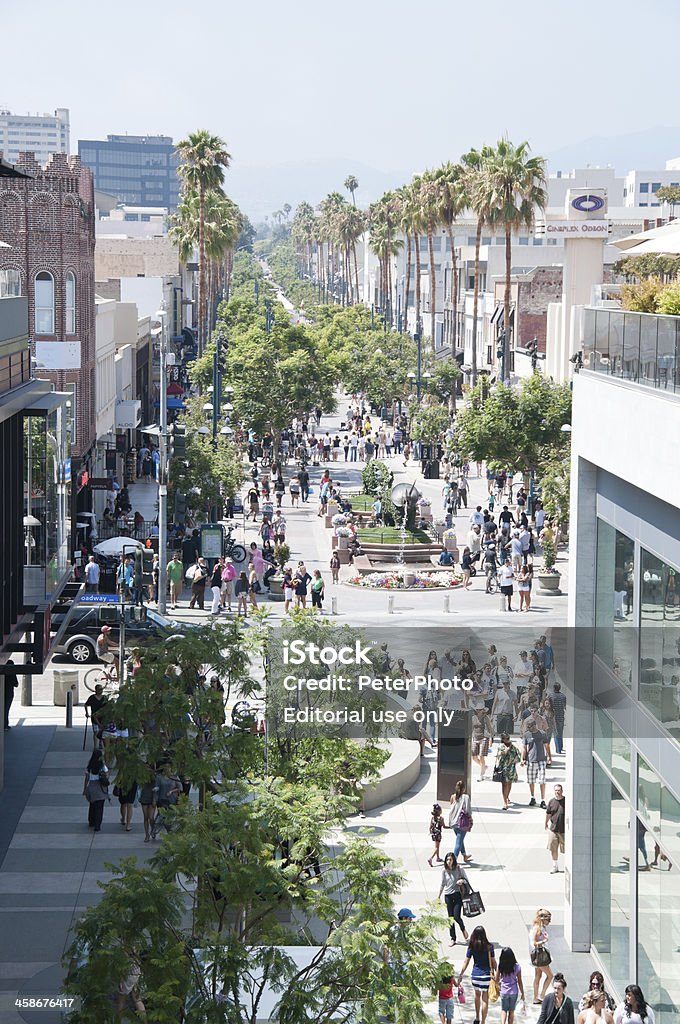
(475,540)
(539,519)
(516,551)
(505,708)
(92,576)
(523,672)
(525,540)
(477,517)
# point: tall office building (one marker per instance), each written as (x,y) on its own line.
(623,785)
(141,170)
(41,134)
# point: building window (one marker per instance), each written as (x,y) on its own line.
(523,240)
(44,303)
(658,893)
(644,186)
(614,593)
(612,748)
(611,877)
(486,239)
(10,284)
(643,204)
(656,185)
(538,241)
(659,636)
(70,302)
(553,241)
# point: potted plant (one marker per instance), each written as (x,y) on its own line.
(343,533)
(281,557)
(549,576)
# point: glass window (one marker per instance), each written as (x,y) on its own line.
(644,186)
(611,877)
(660,640)
(486,239)
(538,241)
(656,185)
(70,302)
(643,204)
(44,303)
(612,747)
(658,895)
(523,240)
(614,591)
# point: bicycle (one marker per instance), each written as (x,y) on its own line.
(103,675)
(235,551)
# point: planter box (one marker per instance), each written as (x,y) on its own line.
(328,521)
(409,579)
(276,588)
(549,582)
(342,543)
(343,555)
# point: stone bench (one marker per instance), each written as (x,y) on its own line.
(390,552)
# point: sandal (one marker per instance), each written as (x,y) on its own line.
(128,828)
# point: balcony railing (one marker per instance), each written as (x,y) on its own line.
(639,347)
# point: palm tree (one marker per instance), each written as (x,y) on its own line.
(518,185)
(204,158)
(452,202)
(352,184)
(303,232)
(405,204)
(417,227)
(429,197)
(478,191)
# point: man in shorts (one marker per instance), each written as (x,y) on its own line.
(106,649)
(554,823)
(533,756)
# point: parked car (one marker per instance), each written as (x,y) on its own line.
(79,642)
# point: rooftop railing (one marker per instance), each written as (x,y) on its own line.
(639,347)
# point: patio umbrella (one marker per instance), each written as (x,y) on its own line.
(115,545)
(664,245)
(667,234)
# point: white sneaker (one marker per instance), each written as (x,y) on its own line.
(555,870)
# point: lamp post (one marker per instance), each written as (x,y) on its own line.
(500,352)
(163,464)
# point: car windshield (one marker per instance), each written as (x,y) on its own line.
(158,620)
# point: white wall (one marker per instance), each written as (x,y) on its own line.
(628,430)
(105,371)
(125,362)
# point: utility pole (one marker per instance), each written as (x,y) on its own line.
(163,468)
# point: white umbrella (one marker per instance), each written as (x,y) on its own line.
(668,233)
(115,545)
(666,245)
(30,520)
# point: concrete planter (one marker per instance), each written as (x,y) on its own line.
(343,543)
(409,579)
(549,581)
(343,554)
(276,588)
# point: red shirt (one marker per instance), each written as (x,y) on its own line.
(446,991)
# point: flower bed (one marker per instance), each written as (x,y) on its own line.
(395,580)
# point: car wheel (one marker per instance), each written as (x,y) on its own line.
(81,652)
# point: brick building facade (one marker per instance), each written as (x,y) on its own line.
(47,220)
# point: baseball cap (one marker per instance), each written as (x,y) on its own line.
(406,915)
(106,629)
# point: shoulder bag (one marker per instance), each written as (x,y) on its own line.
(497,772)
(540,956)
(473,905)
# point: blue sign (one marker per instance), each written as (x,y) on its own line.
(67,471)
(99,599)
(587,203)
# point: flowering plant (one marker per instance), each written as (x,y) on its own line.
(338,519)
(343,531)
(396,580)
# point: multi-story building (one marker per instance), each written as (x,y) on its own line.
(623,788)
(40,134)
(35,469)
(141,170)
(47,217)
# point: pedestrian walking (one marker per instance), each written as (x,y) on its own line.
(241,592)
(147,800)
(554,824)
(460,819)
(335,567)
(506,580)
(593,1009)
(634,1008)
(596,983)
(287,587)
(175,578)
(317,589)
(510,985)
(300,584)
(556,1006)
(539,953)
(126,799)
(436,826)
(454,885)
(96,789)
(216,587)
(199,575)
(481,952)
(10,685)
(228,577)
(92,576)
(533,756)
(482,734)
(253,587)
(505,770)
(467,567)
(559,703)
(445,1000)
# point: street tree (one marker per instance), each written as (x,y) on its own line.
(515,428)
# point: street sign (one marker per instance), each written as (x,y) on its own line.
(99,599)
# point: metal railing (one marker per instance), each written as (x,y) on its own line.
(639,347)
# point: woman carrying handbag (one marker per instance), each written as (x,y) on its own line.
(540,954)
(460,819)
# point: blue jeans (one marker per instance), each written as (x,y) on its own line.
(460,843)
(557,737)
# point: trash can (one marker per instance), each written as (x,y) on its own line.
(65,680)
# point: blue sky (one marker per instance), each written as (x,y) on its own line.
(378,81)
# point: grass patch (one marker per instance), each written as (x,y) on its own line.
(392,535)
(361,502)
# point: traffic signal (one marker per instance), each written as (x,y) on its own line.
(147,565)
(177,441)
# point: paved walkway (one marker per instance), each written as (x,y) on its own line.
(52,863)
